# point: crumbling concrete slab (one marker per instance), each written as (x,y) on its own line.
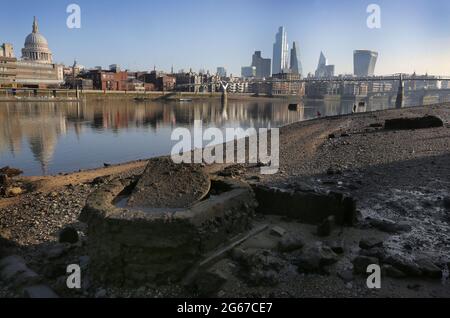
(165,184)
(129,246)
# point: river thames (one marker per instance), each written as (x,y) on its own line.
(43,138)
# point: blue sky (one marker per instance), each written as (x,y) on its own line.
(137,34)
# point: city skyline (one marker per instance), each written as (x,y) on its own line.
(412,38)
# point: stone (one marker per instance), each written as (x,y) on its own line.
(377,252)
(4,180)
(315,258)
(10,172)
(337,246)
(56,251)
(13,269)
(84,261)
(446,203)
(370,242)
(266,278)
(13,192)
(389,226)
(209,282)
(11,266)
(277,231)
(360,264)
(391,271)
(100,293)
(414,123)
(407,266)
(259,268)
(346,275)
(101,179)
(68,235)
(238,254)
(428,268)
(325,228)
(290,243)
(415,287)
(39,291)
(376,125)
(261,260)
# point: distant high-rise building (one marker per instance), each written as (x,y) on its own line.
(323,69)
(295,65)
(262,65)
(364,62)
(280,61)
(114,68)
(248,71)
(221,71)
(329,70)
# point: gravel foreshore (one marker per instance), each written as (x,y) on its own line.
(401,177)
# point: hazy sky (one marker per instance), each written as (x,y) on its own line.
(137,34)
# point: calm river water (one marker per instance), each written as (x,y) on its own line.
(49,138)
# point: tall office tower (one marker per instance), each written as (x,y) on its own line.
(280,61)
(364,62)
(221,71)
(321,66)
(248,71)
(323,69)
(262,65)
(296,65)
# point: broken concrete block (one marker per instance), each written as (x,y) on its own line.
(370,242)
(278,231)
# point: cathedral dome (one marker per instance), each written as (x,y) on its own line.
(36,47)
(36,40)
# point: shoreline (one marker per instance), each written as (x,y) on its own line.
(282,127)
(395,175)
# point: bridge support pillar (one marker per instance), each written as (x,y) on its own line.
(400,94)
(224,97)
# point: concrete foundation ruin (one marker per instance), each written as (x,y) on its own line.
(131,245)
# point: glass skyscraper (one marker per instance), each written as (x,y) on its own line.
(280,61)
(295,64)
(364,62)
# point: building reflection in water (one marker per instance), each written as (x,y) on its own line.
(31,132)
